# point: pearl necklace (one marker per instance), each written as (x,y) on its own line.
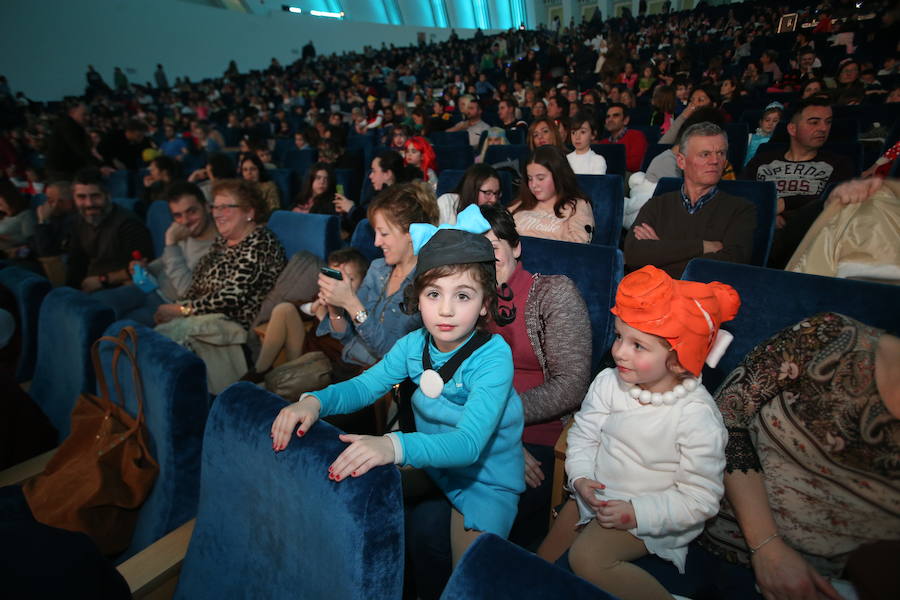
(668,398)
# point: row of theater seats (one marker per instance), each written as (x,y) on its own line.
(272,523)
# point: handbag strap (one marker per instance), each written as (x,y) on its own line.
(121,347)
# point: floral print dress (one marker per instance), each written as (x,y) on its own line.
(803,408)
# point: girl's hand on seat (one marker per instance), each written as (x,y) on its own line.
(305,412)
(363,453)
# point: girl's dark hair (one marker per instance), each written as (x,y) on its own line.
(306,189)
(484,273)
(567,191)
(468,186)
(581,117)
(502,223)
(252,157)
(390,160)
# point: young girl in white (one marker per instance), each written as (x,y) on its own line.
(469,419)
(646,453)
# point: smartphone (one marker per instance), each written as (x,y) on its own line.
(333,273)
(339,188)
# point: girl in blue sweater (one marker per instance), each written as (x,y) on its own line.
(468,417)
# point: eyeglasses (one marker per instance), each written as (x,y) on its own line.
(221,207)
(494,193)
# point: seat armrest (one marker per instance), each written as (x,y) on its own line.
(26,469)
(157,566)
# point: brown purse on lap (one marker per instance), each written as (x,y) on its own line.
(102,473)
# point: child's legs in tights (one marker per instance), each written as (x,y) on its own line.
(460,537)
(285,330)
(562,533)
(601,556)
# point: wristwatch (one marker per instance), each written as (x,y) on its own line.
(360,317)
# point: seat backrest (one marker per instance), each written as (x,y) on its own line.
(607,195)
(284,179)
(772,300)
(69,323)
(318,234)
(761,193)
(126,203)
(299,161)
(653,150)
(458,139)
(363,239)
(349,178)
(29,290)
(118,184)
(596,272)
(158,219)
(614,155)
(273,524)
(496,568)
(454,157)
(448,180)
(176,403)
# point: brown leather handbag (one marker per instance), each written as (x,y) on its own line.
(102,473)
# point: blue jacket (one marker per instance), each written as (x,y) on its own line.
(469,440)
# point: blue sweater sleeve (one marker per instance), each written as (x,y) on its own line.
(487,377)
(366,388)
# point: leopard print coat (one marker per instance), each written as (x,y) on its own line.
(234,280)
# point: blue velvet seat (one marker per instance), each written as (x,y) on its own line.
(273,525)
(653,150)
(176,403)
(595,270)
(349,178)
(158,219)
(449,179)
(454,157)
(607,195)
(760,193)
(29,291)
(126,203)
(299,161)
(363,239)
(772,300)
(284,179)
(495,568)
(118,184)
(457,139)
(69,323)
(614,154)
(318,234)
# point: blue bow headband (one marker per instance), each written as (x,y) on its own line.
(452,244)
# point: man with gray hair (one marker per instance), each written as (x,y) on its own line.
(699,220)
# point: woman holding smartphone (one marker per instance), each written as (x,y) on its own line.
(368,322)
(365,318)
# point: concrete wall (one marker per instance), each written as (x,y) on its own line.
(46,45)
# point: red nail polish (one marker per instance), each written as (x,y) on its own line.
(300,433)
(337,477)
(330,469)
(354,473)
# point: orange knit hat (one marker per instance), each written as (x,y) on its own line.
(687,314)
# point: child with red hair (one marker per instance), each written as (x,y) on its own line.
(646,453)
(420,154)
